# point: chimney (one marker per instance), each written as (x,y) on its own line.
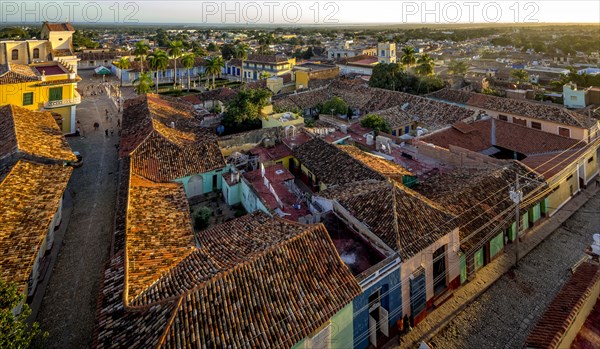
(493,131)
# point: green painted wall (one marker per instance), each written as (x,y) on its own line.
(479,260)
(512,231)
(207,180)
(342,330)
(463,268)
(231,193)
(496,244)
(525,222)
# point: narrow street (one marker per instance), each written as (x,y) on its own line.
(69,304)
(503,316)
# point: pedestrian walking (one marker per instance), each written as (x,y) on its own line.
(598,181)
(112,131)
(96,126)
(118,122)
(106,132)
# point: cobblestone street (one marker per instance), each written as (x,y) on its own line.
(503,316)
(68,308)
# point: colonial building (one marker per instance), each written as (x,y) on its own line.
(42,74)
(33,178)
(167,143)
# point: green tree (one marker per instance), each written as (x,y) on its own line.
(228,51)
(141,51)
(243,111)
(408,57)
(375,122)
(188,61)
(425,65)
(175,50)
(457,68)
(214,66)
(388,76)
(143,84)
(15,332)
(335,105)
(158,61)
(123,64)
(520,75)
(212,47)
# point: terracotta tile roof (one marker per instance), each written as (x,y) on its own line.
(159,232)
(61,27)
(531,109)
(31,194)
(376,163)
(451,95)
(550,164)
(563,310)
(32,133)
(398,108)
(395,116)
(253,282)
(589,334)
(383,207)
(478,198)
(478,137)
(13,73)
(223,94)
(160,152)
(331,165)
(256,58)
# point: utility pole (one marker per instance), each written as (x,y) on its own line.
(516,195)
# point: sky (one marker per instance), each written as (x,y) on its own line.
(300,12)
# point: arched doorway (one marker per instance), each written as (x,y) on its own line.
(195,186)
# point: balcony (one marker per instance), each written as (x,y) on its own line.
(63,102)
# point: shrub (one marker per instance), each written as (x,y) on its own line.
(201,217)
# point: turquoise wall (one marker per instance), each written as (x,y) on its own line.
(341,330)
(207,180)
(231,193)
(250,200)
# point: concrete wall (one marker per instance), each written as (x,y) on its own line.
(250,199)
(247,140)
(425,259)
(341,327)
(457,156)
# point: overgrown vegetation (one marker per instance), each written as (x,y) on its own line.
(15,332)
(375,122)
(336,106)
(201,217)
(394,77)
(243,111)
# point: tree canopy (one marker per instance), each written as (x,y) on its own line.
(337,105)
(375,122)
(15,332)
(243,111)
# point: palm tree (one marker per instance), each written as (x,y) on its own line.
(143,83)
(213,67)
(188,62)
(140,51)
(425,65)
(158,61)
(408,56)
(175,50)
(123,64)
(241,52)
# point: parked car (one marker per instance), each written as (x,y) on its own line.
(79,161)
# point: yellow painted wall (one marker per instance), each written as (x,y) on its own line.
(301,79)
(562,191)
(591,165)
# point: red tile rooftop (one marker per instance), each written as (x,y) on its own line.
(50,70)
(562,311)
(279,151)
(299,139)
(589,334)
(277,175)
